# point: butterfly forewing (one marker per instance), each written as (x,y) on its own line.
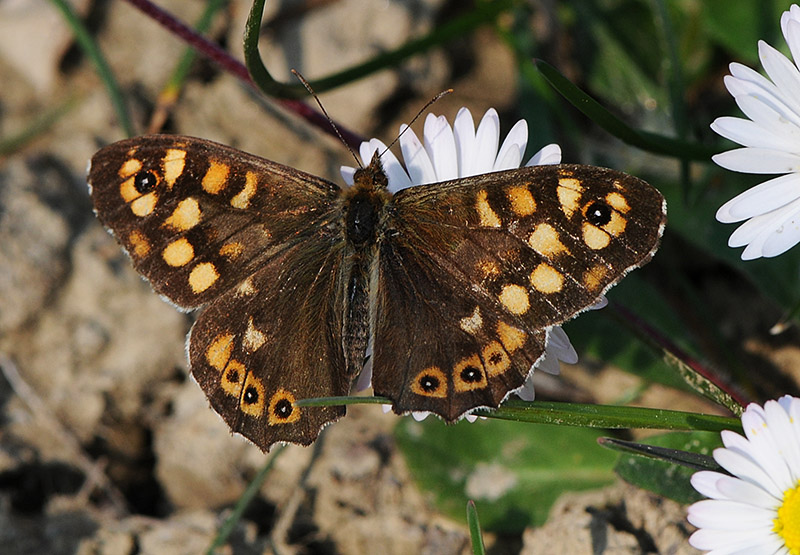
(198,217)
(514,253)
(260,245)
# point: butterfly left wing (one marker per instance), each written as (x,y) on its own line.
(472,274)
(260,247)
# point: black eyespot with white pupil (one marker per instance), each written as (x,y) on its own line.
(429,384)
(145,181)
(250,395)
(283,409)
(471,374)
(598,213)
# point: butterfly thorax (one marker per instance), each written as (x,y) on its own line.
(365,202)
(365,205)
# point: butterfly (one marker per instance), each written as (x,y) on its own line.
(453,285)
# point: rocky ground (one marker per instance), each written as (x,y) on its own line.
(106,444)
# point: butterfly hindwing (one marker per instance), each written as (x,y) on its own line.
(274,339)
(512,253)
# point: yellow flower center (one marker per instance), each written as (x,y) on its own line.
(787,525)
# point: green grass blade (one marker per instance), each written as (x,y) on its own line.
(575,414)
(241,505)
(649,142)
(90,48)
(475,535)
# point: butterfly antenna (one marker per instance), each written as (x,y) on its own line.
(307,85)
(415,118)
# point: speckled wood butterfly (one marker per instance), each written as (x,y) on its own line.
(455,283)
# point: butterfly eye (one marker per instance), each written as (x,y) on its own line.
(598,213)
(145,181)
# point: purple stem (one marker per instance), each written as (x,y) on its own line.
(663,342)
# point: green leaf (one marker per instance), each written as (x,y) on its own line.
(514,472)
(668,479)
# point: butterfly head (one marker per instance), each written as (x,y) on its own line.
(372,177)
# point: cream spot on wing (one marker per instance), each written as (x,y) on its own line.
(185,216)
(242,199)
(172,164)
(202,276)
(253,339)
(515,299)
(219,351)
(545,240)
(232,250)
(127,189)
(144,205)
(616,225)
(130,167)
(139,245)
(487,268)
(522,202)
(594,237)
(472,324)
(512,338)
(547,279)
(594,277)
(495,358)
(570,192)
(246,288)
(178,253)
(617,202)
(488,217)
(216,177)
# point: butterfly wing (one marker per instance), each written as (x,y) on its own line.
(472,273)
(260,245)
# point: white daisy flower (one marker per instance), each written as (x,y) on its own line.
(756,509)
(771,141)
(460,151)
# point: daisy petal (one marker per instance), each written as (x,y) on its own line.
(550,154)
(761,199)
(510,155)
(441,146)
(781,71)
(728,515)
(748,133)
(486,140)
(771,137)
(418,163)
(466,145)
(758,160)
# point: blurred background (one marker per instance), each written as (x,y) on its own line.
(108,446)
